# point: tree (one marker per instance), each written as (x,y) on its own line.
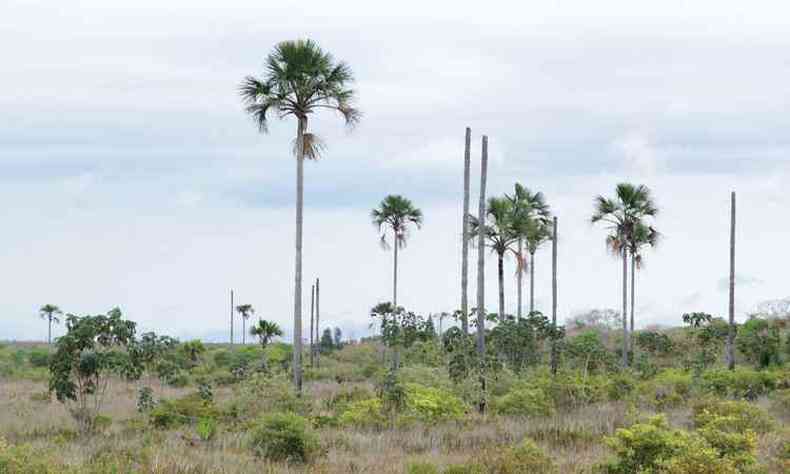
(338,338)
(708,334)
(642,236)
(327,344)
(464,232)
(396,214)
(481,269)
(620,215)
(500,235)
(93,351)
(265,331)
(731,308)
(299,80)
(245,311)
(50,312)
(760,342)
(533,225)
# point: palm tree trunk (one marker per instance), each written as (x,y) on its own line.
(232,309)
(395,272)
(731,332)
(625,307)
(49,330)
(519,276)
(317,322)
(633,299)
(243,330)
(501,278)
(465,237)
(554,355)
(531,282)
(312,325)
(481,260)
(297,351)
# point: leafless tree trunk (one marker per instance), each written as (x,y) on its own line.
(731,332)
(312,326)
(554,354)
(317,321)
(633,299)
(519,276)
(395,272)
(481,260)
(297,352)
(232,310)
(465,236)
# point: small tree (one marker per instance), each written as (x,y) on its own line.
(326,344)
(94,349)
(265,331)
(708,333)
(245,311)
(759,341)
(50,312)
(338,334)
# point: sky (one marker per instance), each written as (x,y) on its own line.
(130,175)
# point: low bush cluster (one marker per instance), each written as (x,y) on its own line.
(284,437)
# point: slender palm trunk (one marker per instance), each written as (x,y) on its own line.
(49,330)
(731,332)
(243,330)
(297,353)
(465,237)
(395,272)
(625,307)
(633,299)
(554,353)
(231,317)
(531,282)
(501,278)
(317,321)
(312,326)
(481,260)
(519,276)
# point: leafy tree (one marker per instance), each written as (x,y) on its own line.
(192,351)
(93,351)
(245,311)
(515,341)
(400,328)
(50,312)
(621,215)
(338,334)
(500,235)
(654,342)
(299,80)
(588,352)
(265,331)
(708,334)
(327,343)
(533,224)
(395,214)
(759,341)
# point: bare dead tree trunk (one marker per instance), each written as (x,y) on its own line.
(232,309)
(465,236)
(481,260)
(312,326)
(317,321)
(554,354)
(297,355)
(731,332)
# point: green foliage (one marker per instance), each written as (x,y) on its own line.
(24,459)
(206,428)
(780,400)
(39,358)
(263,393)
(586,352)
(671,387)
(759,341)
(431,405)
(192,351)
(364,414)
(643,446)
(570,388)
(731,415)
(93,349)
(284,437)
(422,468)
(145,400)
(654,342)
(205,392)
(742,382)
(185,410)
(524,458)
(622,385)
(524,402)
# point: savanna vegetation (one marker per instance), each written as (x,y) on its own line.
(487,392)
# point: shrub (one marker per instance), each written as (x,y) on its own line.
(431,405)
(669,388)
(524,458)
(421,468)
(39,358)
(524,402)
(170,413)
(641,447)
(759,340)
(570,388)
(780,400)
(731,416)
(364,414)
(262,393)
(23,459)
(742,382)
(696,458)
(206,428)
(284,437)
(621,386)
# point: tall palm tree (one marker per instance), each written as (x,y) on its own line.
(245,311)
(464,232)
(299,80)
(500,236)
(265,331)
(642,236)
(396,214)
(621,214)
(731,308)
(50,312)
(534,226)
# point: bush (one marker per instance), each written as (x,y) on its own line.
(622,385)
(780,400)
(570,388)
(525,458)
(432,405)
(284,437)
(39,358)
(421,468)
(364,414)
(189,409)
(669,388)
(23,459)
(742,382)
(262,393)
(524,402)
(731,416)
(206,428)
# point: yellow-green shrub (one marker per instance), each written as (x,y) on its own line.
(524,402)
(23,459)
(524,458)
(731,416)
(671,387)
(263,393)
(171,413)
(743,382)
(364,414)
(431,405)
(284,437)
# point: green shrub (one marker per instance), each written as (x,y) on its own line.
(464,469)
(622,385)
(524,402)
(364,414)
(742,382)
(284,437)
(39,358)
(189,409)
(263,393)
(206,428)
(731,416)
(671,387)
(421,468)
(570,388)
(23,459)
(524,458)
(780,400)
(432,405)
(696,458)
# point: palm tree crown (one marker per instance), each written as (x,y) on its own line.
(501,231)
(621,214)
(50,312)
(396,213)
(265,331)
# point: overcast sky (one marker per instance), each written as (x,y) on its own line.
(130,176)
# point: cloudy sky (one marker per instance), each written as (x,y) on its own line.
(129,175)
